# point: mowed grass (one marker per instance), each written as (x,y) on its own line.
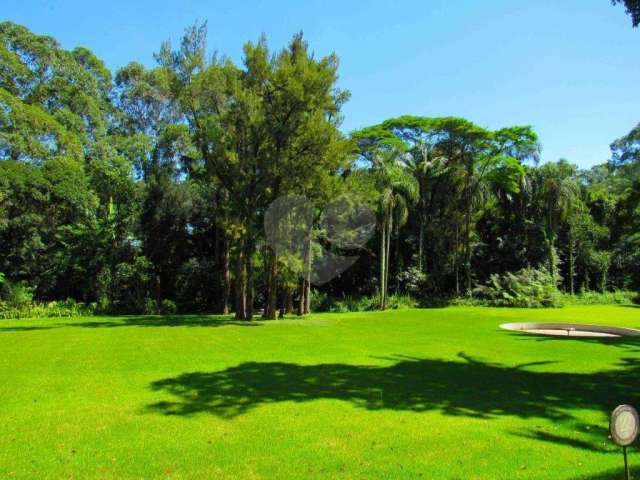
(433,394)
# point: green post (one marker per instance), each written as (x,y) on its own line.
(626,464)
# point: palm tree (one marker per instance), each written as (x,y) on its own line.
(425,164)
(560,193)
(396,188)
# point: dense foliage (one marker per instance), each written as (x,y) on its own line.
(148,191)
(528,287)
(633,9)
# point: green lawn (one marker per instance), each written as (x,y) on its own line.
(441,393)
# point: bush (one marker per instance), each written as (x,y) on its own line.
(414,281)
(149,308)
(529,287)
(65,308)
(168,307)
(125,290)
(16,295)
(396,302)
(617,297)
(131,284)
(16,301)
(321,302)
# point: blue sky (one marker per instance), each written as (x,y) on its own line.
(570,68)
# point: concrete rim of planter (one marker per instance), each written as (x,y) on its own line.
(571,330)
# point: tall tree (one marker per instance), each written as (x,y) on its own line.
(633,9)
(559,193)
(473,156)
(261,130)
(397,188)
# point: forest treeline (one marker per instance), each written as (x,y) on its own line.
(147,190)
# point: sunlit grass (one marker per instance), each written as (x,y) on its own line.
(440,393)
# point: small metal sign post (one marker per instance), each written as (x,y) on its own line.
(623,426)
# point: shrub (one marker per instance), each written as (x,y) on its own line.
(168,307)
(414,281)
(617,297)
(149,308)
(16,301)
(321,302)
(396,302)
(15,294)
(131,282)
(529,287)
(354,304)
(65,308)
(126,288)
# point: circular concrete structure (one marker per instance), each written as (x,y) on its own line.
(571,330)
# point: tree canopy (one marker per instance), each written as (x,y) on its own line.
(172,188)
(633,9)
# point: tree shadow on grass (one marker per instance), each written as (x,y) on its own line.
(25,329)
(468,387)
(630,343)
(594,441)
(614,474)
(144,321)
(166,321)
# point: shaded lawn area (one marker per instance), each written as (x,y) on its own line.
(440,393)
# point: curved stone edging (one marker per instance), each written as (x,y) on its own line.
(571,330)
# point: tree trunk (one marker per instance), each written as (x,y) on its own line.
(587,280)
(551,240)
(467,247)
(307,293)
(158,294)
(240,285)
(397,256)
(302,301)
(456,258)
(421,242)
(289,300)
(305,285)
(604,274)
(226,276)
(249,274)
(551,252)
(468,199)
(571,264)
(383,263)
(272,288)
(283,304)
(387,255)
